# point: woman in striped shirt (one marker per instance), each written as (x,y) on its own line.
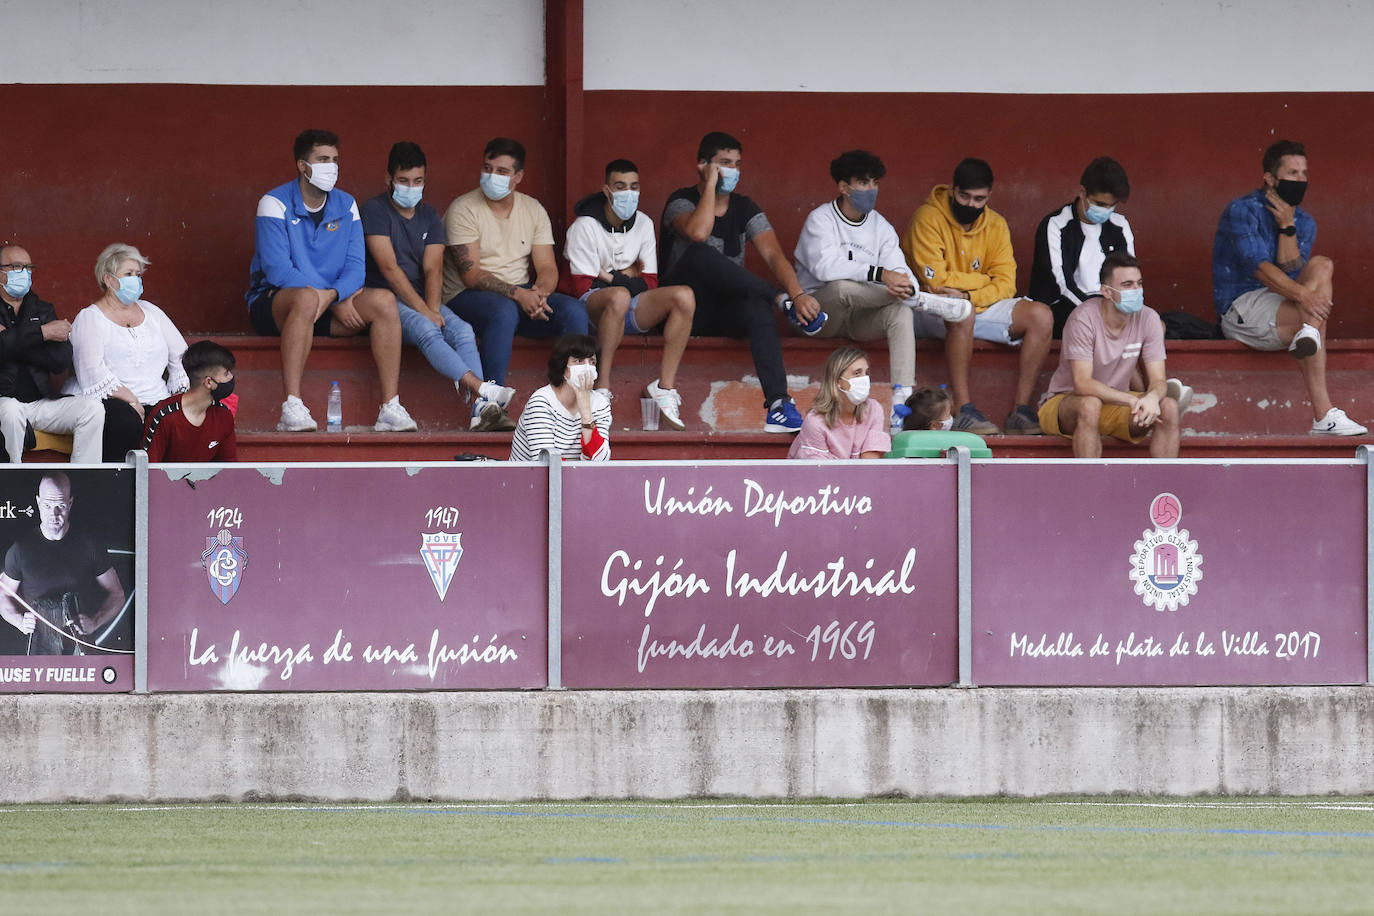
(565,416)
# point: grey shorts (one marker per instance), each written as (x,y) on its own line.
(1252,319)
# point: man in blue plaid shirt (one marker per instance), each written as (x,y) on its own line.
(1268,288)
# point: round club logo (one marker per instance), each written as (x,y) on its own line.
(1165,565)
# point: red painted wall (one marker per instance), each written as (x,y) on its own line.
(177,169)
(1186,155)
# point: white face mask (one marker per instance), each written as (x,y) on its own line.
(581,374)
(947,422)
(858,389)
(324,175)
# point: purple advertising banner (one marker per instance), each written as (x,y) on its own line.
(347,578)
(1168,574)
(780,574)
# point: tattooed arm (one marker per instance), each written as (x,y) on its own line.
(468,260)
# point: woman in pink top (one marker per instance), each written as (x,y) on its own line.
(843,422)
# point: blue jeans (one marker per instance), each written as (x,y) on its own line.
(497,319)
(452,349)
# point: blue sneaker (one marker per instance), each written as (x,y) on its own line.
(790,310)
(782,417)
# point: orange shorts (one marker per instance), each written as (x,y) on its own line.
(1114,420)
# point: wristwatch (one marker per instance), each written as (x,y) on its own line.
(1288,230)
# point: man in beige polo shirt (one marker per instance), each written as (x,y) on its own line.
(499,269)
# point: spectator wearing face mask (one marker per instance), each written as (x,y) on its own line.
(843,421)
(849,259)
(196,425)
(306,276)
(705,228)
(500,275)
(566,416)
(959,246)
(1271,292)
(1072,242)
(1107,340)
(931,409)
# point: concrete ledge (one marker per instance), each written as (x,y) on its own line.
(673,744)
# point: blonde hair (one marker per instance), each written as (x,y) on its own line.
(830,400)
(112,257)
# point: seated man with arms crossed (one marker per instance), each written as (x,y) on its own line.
(1105,339)
(613,255)
(1268,288)
(195,425)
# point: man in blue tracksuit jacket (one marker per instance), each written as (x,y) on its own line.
(307,278)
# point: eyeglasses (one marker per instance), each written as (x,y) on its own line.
(17,266)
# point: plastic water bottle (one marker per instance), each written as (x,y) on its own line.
(334,412)
(899,410)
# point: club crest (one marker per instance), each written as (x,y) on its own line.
(224,560)
(1165,565)
(441,553)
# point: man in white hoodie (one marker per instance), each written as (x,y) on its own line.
(849,259)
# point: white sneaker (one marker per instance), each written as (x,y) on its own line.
(392,418)
(669,403)
(497,394)
(945,307)
(1181,393)
(1336,423)
(295,417)
(605,393)
(1307,341)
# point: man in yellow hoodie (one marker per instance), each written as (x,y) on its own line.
(958,246)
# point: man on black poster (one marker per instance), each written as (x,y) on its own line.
(64,575)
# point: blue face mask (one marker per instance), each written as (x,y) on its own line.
(624,203)
(406,196)
(863,199)
(130,290)
(1132,300)
(1096,214)
(17,283)
(729,178)
(495,186)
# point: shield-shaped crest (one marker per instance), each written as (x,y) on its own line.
(224,561)
(441,553)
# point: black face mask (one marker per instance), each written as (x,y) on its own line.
(1291,192)
(965,214)
(223,391)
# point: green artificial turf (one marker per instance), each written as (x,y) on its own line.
(971,856)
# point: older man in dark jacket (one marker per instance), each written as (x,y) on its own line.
(33,345)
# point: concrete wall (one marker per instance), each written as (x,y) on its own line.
(671,744)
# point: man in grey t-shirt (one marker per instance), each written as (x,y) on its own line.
(1105,339)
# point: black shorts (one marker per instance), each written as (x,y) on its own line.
(260,316)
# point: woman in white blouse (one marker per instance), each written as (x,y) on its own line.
(127,351)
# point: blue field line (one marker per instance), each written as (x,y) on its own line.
(1183,831)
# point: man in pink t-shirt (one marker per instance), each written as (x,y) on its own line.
(1105,339)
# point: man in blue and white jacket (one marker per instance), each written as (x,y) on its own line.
(849,259)
(306,273)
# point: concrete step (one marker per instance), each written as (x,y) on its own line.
(1238,392)
(361,444)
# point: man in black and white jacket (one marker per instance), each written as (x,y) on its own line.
(1072,242)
